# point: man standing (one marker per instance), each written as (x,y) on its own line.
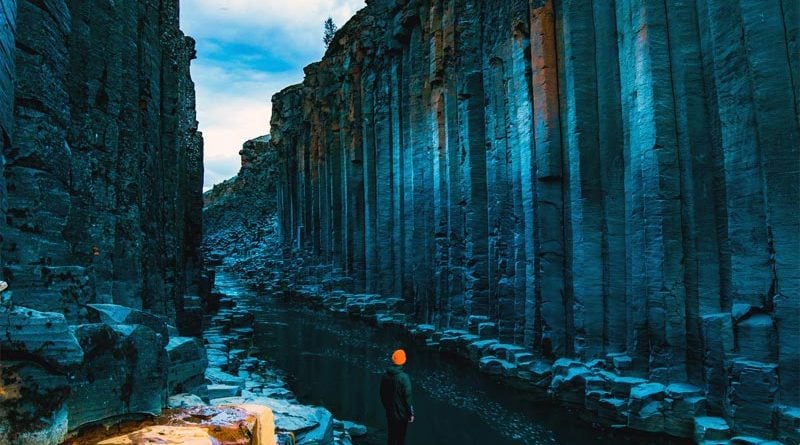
(396,398)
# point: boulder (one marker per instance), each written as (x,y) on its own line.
(187,364)
(496,366)
(787,419)
(646,407)
(312,425)
(163,434)
(612,411)
(757,338)
(215,376)
(103,383)
(480,348)
(26,334)
(354,429)
(32,403)
(216,391)
(569,384)
(184,401)
(710,428)
(144,390)
(487,330)
(115,314)
(750,398)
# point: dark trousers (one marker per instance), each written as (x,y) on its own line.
(397,431)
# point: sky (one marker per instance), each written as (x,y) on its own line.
(248,50)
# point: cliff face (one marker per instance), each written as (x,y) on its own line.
(241,211)
(101,196)
(104,172)
(617,179)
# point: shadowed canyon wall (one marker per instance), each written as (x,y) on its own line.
(101,201)
(599,178)
(104,170)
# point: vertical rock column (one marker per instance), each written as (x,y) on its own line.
(547,324)
(8,26)
(37,257)
(653,184)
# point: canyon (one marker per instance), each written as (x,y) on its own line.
(101,205)
(594,202)
(602,180)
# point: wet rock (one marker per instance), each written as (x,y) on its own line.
(163,434)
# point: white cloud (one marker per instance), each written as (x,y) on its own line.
(233,91)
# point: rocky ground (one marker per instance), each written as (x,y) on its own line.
(606,392)
(220,387)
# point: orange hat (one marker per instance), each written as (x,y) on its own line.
(399,357)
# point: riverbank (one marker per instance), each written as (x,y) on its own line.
(605,393)
(223,394)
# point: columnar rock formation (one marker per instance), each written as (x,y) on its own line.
(104,170)
(599,178)
(101,196)
(237,211)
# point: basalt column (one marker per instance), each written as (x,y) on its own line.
(611,180)
(8,23)
(104,174)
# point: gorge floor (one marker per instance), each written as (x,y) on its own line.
(337,363)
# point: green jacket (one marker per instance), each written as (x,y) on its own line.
(396,394)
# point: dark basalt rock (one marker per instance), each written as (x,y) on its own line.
(100,212)
(611,180)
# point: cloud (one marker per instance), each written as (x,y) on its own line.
(247,51)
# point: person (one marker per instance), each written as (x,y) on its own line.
(396,398)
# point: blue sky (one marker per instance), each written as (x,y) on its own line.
(247,50)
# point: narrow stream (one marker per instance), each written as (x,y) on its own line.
(337,363)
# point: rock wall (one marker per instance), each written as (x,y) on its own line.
(601,179)
(241,211)
(104,175)
(101,201)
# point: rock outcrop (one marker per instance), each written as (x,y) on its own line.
(241,211)
(612,180)
(100,213)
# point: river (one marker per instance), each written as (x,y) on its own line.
(337,363)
